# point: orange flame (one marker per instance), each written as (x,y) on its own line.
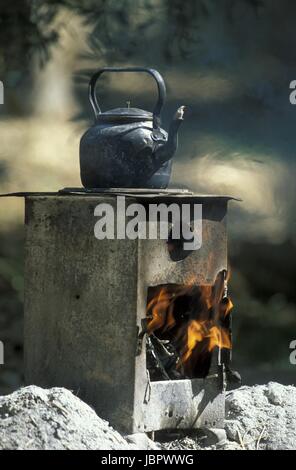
(203,328)
(199,331)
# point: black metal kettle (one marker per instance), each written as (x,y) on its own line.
(126,147)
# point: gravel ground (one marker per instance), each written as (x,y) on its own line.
(259,417)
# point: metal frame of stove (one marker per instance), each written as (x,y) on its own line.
(85,302)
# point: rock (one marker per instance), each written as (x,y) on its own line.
(230,445)
(34,418)
(275,394)
(233,428)
(214,436)
(142,441)
(263,416)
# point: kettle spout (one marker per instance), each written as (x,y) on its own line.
(167,150)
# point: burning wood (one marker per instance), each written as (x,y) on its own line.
(163,359)
(184,325)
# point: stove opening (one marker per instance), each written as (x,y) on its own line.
(184,325)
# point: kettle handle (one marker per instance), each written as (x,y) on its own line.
(155,74)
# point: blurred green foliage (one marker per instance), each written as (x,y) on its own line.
(262,288)
(28,27)
(11,308)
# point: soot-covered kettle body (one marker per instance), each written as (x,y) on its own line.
(126,147)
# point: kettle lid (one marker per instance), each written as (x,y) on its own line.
(125,115)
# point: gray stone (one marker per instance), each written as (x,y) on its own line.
(142,441)
(233,428)
(34,418)
(263,416)
(214,436)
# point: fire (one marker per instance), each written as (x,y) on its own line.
(199,331)
(161,307)
(195,319)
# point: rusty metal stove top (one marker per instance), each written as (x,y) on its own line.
(132,192)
